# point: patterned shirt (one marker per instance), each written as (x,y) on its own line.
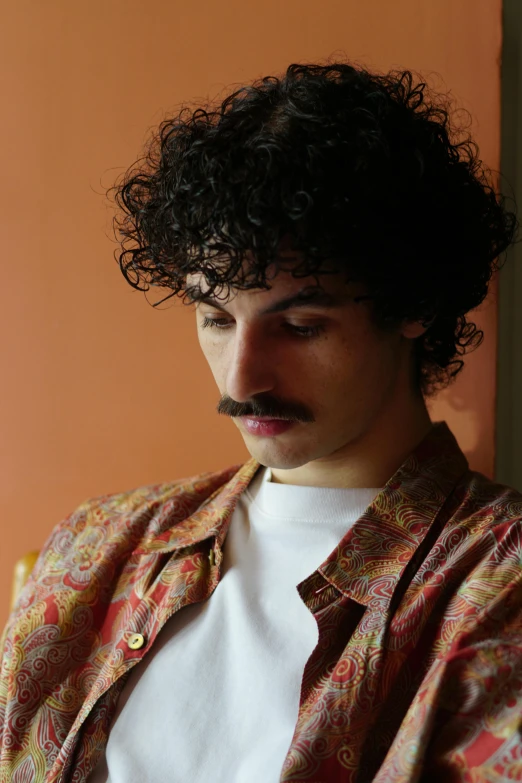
(417,673)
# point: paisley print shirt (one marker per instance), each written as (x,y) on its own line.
(417,673)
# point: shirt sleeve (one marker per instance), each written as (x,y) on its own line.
(465,723)
(477,724)
(50,553)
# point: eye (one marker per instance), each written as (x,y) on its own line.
(302,331)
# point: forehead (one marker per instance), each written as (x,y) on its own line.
(312,297)
(323,289)
(286,253)
(327,290)
(280,280)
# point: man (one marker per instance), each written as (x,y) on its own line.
(346,605)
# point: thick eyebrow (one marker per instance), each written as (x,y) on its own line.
(305,298)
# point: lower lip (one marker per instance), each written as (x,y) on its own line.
(266,428)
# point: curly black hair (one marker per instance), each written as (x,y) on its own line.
(355,166)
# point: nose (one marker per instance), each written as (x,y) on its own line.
(252,366)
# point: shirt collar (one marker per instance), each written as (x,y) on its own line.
(402,512)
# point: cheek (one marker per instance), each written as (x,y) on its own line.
(367,357)
(216,359)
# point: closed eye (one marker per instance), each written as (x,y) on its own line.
(302,331)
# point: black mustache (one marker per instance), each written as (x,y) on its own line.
(233,409)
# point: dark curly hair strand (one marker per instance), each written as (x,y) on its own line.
(355,166)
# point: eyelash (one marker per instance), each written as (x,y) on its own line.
(306,332)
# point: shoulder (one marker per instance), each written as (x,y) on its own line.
(484,504)
(105,529)
(481,542)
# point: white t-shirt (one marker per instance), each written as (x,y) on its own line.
(217,696)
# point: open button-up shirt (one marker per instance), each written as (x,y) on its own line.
(417,673)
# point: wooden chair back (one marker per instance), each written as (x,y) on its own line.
(22,570)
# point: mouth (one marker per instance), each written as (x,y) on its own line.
(265,427)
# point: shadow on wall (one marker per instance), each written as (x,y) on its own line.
(472,431)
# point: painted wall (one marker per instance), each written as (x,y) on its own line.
(101,392)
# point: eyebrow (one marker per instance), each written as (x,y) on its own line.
(304,298)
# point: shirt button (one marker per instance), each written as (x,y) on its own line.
(136,641)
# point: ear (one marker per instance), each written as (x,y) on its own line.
(413,329)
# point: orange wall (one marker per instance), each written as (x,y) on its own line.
(101,392)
